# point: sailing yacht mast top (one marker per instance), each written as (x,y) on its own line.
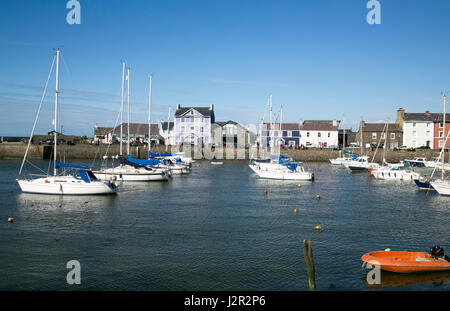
(444,137)
(128,110)
(149,118)
(121,109)
(55,121)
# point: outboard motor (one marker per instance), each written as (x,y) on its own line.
(438,252)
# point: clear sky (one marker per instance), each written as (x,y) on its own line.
(319,58)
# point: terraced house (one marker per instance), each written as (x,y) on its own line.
(192,125)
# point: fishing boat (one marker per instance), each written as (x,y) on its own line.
(416,162)
(361,164)
(423,183)
(394,173)
(406,262)
(216,163)
(82,182)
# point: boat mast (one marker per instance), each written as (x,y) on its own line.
(149,117)
(128,110)
(385,141)
(55,121)
(121,109)
(444,137)
(168,123)
(361,134)
(272,145)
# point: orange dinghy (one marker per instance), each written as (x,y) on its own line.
(406,262)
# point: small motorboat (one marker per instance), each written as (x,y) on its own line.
(423,184)
(409,262)
(216,163)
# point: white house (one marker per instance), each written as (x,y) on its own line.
(192,125)
(418,128)
(319,133)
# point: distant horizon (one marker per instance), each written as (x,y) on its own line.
(320,60)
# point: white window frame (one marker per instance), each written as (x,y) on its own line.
(392,135)
(374,135)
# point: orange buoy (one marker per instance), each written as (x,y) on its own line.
(60,205)
(295,211)
(266,192)
(10,219)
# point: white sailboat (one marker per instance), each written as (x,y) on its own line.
(279,166)
(442,186)
(127,170)
(392,171)
(82,183)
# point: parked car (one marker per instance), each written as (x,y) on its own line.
(423,147)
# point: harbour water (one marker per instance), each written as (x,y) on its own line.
(215,229)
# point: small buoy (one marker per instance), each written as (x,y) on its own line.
(10,219)
(318,228)
(198,165)
(318,196)
(266,192)
(295,211)
(59,205)
(387,250)
(299,185)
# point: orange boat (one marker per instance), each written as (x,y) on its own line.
(406,262)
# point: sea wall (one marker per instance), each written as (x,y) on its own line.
(94,152)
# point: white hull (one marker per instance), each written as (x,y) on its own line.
(437,165)
(340,161)
(65,185)
(443,188)
(389,174)
(126,173)
(277,171)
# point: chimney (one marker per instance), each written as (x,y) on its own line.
(427,112)
(178,106)
(400,115)
(211,107)
(96,126)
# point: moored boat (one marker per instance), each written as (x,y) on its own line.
(406,262)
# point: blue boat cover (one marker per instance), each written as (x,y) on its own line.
(135,165)
(145,162)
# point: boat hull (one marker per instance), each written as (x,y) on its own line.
(65,186)
(443,188)
(405,262)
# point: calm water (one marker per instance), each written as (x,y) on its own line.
(216,230)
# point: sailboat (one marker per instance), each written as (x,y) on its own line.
(340,161)
(171,165)
(279,167)
(82,183)
(392,171)
(442,186)
(128,170)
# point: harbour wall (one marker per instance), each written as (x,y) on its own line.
(94,152)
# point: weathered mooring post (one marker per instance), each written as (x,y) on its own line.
(307,252)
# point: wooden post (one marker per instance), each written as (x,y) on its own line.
(307,252)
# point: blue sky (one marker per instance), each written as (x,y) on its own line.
(320,59)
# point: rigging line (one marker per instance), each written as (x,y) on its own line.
(35,166)
(37,116)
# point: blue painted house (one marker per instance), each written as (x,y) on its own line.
(289,134)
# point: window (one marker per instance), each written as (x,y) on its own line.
(182,129)
(307,134)
(183,119)
(192,112)
(441,134)
(192,119)
(374,135)
(414,133)
(319,134)
(383,135)
(192,128)
(441,143)
(289,133)
(329,134)
(201,129)
(392,135)
(441,124)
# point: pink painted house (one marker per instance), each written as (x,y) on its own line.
(319,133)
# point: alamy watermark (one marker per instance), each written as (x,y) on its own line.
(374,15)
(74,275)
(74,15)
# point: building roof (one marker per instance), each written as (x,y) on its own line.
(205,111)
(318,126)
(102,130)
(425,117)
(137,129)
(164,126)
(222,123)
(379,127)
(284,126)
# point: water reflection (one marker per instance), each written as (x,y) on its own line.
(390,279)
